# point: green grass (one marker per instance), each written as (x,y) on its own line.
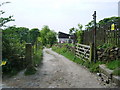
(37,58)
(93,67)
(113,64)
(116,72)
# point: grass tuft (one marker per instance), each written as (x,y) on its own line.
(113,64)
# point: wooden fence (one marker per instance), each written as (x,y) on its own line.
(84,52)
(104,34)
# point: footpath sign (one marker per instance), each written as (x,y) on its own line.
(113,26)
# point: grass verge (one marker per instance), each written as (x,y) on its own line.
(114,65)
(37,58)
(93,67)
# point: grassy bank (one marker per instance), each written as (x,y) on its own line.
(93,67)
(114,65)
(37,58)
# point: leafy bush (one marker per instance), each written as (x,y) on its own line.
(13,66)
(13,48)
(37,58)
(105,45)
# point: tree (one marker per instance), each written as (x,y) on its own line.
(89,25)
(23,34)
(71,30)
(4,20)
(34,34)
(103,22)
(44,32)
(47,36)
(51,37)
(11,44)
(77,32)
(109,20)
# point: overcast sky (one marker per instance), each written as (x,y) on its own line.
(59,15)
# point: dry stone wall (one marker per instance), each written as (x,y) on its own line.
(108,54)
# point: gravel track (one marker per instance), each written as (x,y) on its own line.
(56,71)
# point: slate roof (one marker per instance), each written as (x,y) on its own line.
(63,35)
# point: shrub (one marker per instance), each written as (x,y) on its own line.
(37,58)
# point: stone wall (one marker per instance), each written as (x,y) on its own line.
(108,54)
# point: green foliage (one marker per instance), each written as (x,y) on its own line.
(71,31)
(78,32)
(116,72)
(11,42)
(109,20)
(30,71)
(23,33)
(64,51)
(93,67)
(113,64)
(47,36)
(33,35)
(104,21)
(13,49)
(37,58)
(79,35)
(105,45)
(89,25)
(51,37)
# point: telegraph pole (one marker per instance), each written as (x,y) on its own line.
(94,18)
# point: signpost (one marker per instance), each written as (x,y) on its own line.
(113,26)
(94,42)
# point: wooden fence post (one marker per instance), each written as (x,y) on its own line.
(94,17)
(0,58)
(91,52)
(119,33)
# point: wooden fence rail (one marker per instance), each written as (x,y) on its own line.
(84,52)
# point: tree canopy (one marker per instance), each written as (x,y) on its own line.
(47,36)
